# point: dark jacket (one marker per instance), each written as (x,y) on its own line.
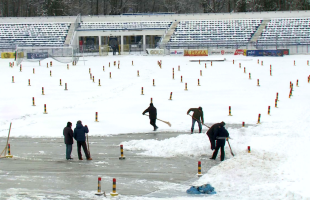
(197,114)
(222,132)
(152,112)
(68,133)
(79,132)
(213,130)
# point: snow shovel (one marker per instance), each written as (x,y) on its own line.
(168,123)
(198,121)
(230,148)
(88,146)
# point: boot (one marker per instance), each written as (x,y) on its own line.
(192,130)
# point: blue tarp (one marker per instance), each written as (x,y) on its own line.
(204,189)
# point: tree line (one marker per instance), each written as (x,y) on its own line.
(32,8)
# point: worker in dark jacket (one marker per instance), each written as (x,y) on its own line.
(68,134)
(198,113)
(213,131)
(221,137)
(79,136)
(152,115)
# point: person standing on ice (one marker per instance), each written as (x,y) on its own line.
(152,115)
(79,136)
(212,132)
(68,134)
(221,136)
(198,113)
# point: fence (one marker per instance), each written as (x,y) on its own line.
(93,50)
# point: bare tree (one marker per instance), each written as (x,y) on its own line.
(213,6)
(27,8)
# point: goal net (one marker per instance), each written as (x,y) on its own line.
(35,54)
(103,50)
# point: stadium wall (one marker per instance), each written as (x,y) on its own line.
(202,16)
(20,20)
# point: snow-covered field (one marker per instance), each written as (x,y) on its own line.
(276,168)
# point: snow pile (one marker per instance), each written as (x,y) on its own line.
(183,145)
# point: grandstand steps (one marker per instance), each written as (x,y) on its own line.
(169,33)
(259,31)
(70,34)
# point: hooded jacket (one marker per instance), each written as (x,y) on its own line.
(79,132)
(68,133)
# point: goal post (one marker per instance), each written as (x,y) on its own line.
(33,54)
(3,153)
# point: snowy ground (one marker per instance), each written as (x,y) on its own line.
(276,168)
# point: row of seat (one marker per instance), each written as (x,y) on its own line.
(28,34)
(286,31)
(124,25)
(208,31)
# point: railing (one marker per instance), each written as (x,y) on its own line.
(93,50)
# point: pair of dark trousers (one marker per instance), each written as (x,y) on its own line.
(219,144)
(68,151)
(153,123)
(193,124)
(83,144)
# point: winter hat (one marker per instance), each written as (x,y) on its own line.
(69,124)
(223,123)
(79,122)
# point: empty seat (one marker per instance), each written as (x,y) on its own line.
(44,34)
(215,31)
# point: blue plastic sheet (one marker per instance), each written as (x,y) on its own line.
(204,189)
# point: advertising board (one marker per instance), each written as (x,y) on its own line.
(239,52)
(226,52)
(40,55)
(222,52)
(155,51)
(8,55)
(285,51)
(177,52)
(196,52)
(272,53)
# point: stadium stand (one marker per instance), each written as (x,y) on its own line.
(125,25)
(33,34)
(288,31)
(215,31)
(224,29)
